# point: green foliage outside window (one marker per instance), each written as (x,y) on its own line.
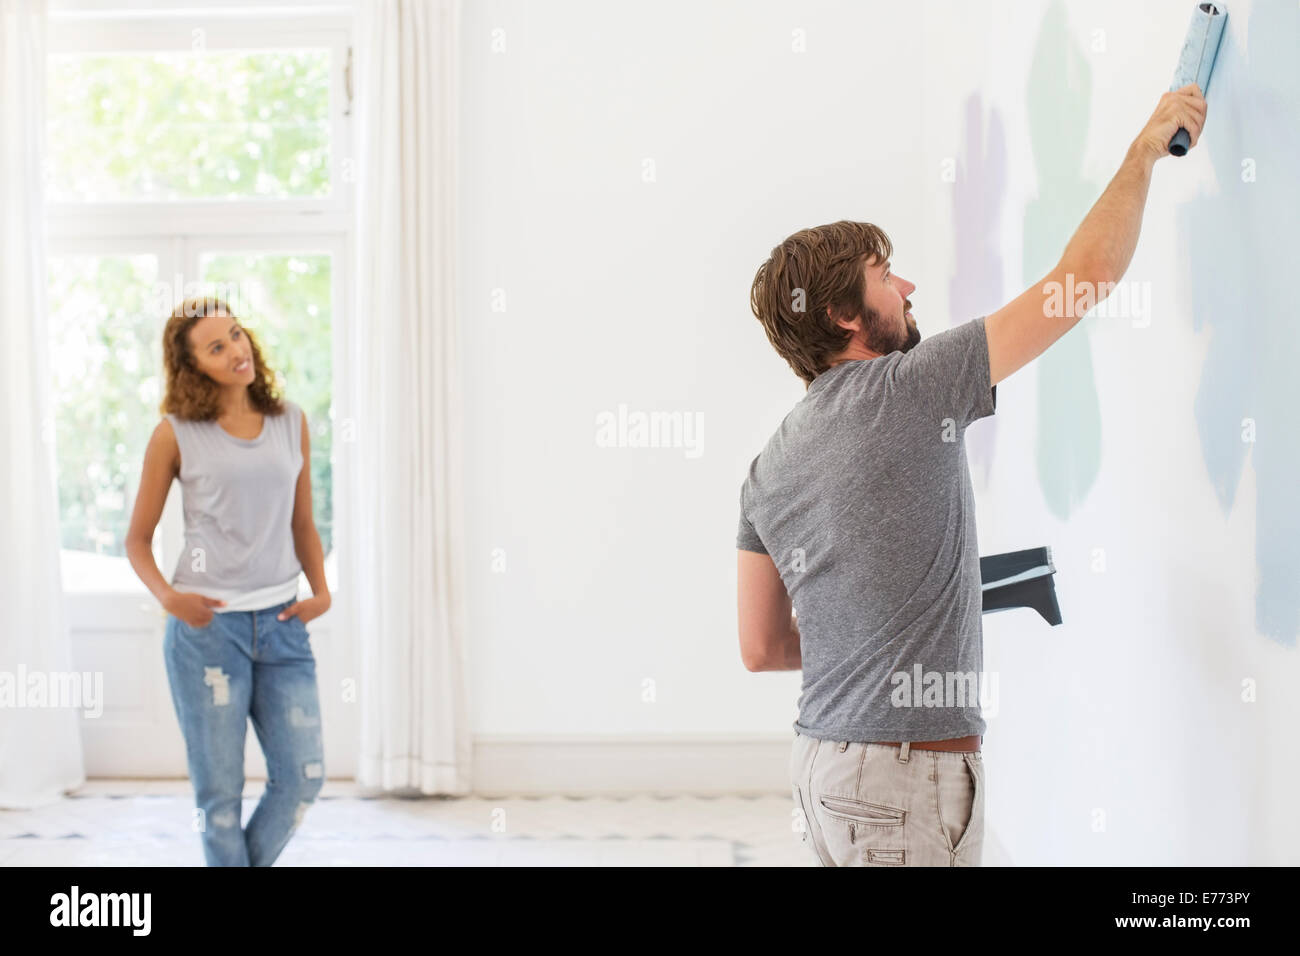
(169,126)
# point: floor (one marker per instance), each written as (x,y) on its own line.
(147,823)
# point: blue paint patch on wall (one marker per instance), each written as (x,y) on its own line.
(1243,259)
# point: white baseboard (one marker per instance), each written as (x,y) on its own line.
(585,765)
(627,765)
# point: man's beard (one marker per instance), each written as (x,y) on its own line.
(885,340)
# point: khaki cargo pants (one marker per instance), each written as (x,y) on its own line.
(865,804)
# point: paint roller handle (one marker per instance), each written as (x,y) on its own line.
(1177,122)
(1183,141)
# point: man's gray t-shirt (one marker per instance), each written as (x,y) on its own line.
(863,499)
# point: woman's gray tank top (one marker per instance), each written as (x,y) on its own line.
(238,496)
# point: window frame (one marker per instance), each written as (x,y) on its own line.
(228,32)
(179,231)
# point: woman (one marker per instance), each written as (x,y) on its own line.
(236,643)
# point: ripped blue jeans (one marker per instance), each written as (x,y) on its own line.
(247,664)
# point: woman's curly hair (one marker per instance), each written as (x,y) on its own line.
(815,269)
(190,393)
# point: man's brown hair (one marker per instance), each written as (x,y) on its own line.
(813,270)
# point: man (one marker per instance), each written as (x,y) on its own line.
(858,511)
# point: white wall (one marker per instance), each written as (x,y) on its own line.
(620,563)
(1117,736)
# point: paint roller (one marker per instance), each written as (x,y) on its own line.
(1196,60)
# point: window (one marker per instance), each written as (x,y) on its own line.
(183,161)
(168,126)
(106,386)
(288,305)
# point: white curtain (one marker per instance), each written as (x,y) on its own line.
(40,745)
(405,509)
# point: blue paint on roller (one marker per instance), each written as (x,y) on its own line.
(1196,59)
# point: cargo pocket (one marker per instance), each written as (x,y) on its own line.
(860,811)
(859,832)
(887,857)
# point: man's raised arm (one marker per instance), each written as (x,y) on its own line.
(1100,251)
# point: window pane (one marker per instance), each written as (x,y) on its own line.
(106,353)
(286,302)
(189,125)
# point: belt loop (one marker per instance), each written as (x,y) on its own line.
(844,745)
(903,751)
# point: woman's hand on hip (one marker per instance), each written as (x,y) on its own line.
(194,609)
(307,609)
